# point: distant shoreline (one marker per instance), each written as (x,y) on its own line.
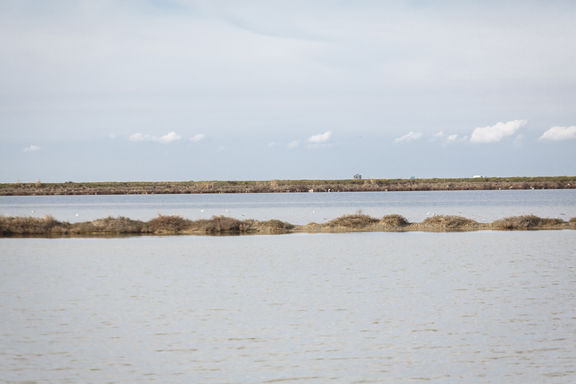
(286,186)
(221,225)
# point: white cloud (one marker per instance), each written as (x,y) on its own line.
(166,139)
(169,138)
(447,138)
(32,148)
(452,138)
(410,136)
(141,137)
(198,137)
(559,133)
(496,132)
(320,138)
(293,144)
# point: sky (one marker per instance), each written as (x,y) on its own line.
(177,90)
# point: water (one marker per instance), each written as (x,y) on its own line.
(299,208)
(482,307)
(478,307)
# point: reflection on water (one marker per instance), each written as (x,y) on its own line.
(299,208)
(478,307)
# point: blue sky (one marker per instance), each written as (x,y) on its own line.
(277,89)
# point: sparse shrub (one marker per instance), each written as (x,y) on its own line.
(169,224)
(524,222)
(394,221)
(353,221)
(449,222)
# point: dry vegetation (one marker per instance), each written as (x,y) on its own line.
(220,225)
(394,221)
(272,186)
(448,223)
(352,221)
(527,222)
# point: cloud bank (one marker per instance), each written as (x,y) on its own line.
(168,138)
(559,134)
(496,132)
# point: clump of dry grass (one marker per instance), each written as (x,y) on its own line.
(222,225)
(524,223)
(353,221)
(394,221)
(274,226)
(109,225)
(167,224)
(30,225)
(447,222)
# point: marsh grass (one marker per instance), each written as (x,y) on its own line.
(525,223)
(273,226)
(221,225)
(345,185)
(30,225)
(353,221)
(167,224)
(108,225)
(446,222)
(394,221)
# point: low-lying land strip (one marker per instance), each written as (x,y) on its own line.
(273,186)
(220,225)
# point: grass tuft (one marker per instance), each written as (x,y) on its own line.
(524,222)
(449,222)
(353,221)
(29,225)
(394,221)
(274,226)
(167,224)
(222,225)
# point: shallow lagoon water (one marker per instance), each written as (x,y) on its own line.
(300,208)
(478,307)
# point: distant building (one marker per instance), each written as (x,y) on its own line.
(358,176)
